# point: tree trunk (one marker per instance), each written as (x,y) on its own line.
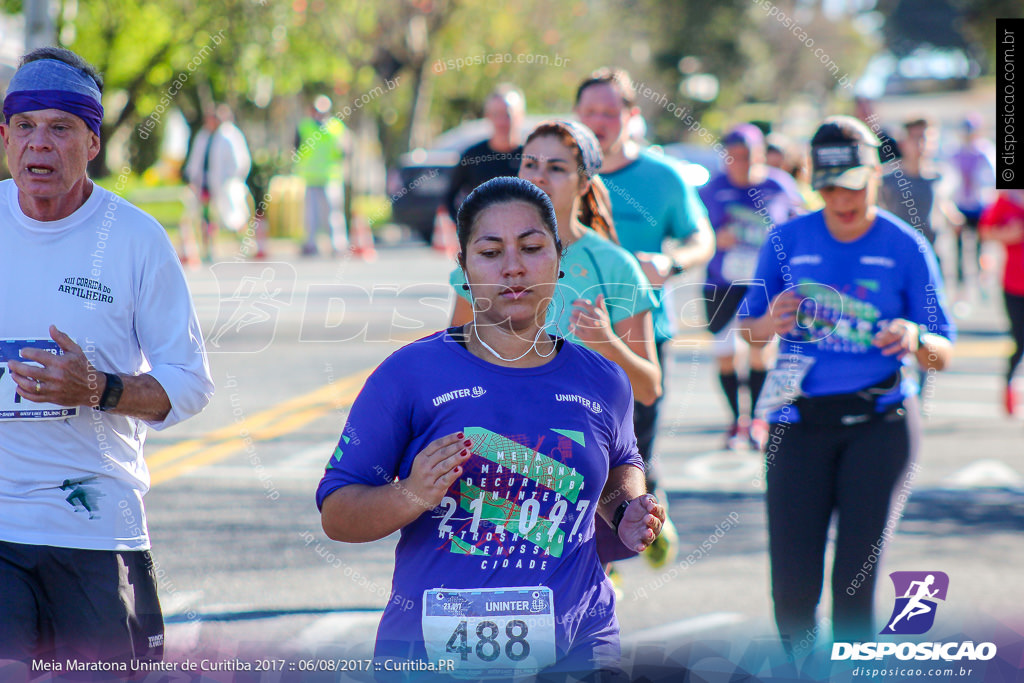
(419,122)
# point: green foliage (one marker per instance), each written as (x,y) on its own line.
(267,57)
(546,49)
(977,23)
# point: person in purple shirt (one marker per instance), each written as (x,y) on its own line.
(854,295)
(495,449)
(975,168)
(743,203)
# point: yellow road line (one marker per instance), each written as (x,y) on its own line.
(982,348)
(283,418)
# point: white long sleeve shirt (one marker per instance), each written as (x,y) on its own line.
(107,276)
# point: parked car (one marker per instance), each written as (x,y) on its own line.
(423,177)
(700,163)
(419,185)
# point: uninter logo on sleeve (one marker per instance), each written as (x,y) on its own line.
(594,406)
(810,259)
(474,392)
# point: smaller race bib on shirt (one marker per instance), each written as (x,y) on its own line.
(13,406)
(490,632)
(782,386)
(739,263)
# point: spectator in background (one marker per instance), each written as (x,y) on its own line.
(913,190)
(975,168)
(1003,222)
(888,149)
(798,166)
(217,167)
(318,157)
(776,151)
(499,155)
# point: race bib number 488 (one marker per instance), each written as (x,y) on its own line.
(490,633)
(12,405)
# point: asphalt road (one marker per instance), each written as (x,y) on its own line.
(247,574)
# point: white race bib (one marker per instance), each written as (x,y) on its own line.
(739,263)
(12,405)
(782,385)
(490,632)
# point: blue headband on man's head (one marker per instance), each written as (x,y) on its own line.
(53,84)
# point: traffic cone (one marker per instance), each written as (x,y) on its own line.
(361,239)
(444,239)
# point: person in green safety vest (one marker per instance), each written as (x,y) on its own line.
(319,152)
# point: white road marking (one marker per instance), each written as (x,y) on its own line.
(345,628)
(176,602)
(983,473)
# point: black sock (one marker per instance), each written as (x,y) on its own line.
(755,382)
(731,386)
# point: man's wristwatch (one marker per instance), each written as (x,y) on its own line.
(112,392)
(619,512)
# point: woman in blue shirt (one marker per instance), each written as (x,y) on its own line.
(854,294)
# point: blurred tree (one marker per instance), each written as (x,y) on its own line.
(142,49)
(909,24)
(697,40)
(544,48)
(963,25)
(441,57)
(977,23)
(763,55)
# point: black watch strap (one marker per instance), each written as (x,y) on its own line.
(112,392)
(619,512)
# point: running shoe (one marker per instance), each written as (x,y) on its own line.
(758,434)
(735,437)
(617,581)
(665,547)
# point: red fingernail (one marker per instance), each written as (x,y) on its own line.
(461,435)
(467,442)
(465,451)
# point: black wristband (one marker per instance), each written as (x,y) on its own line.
(111,392)
(619,512)
(921,331)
